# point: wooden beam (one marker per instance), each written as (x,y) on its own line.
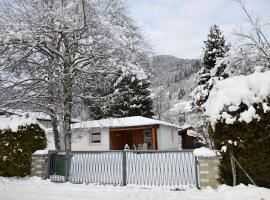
(154,138)
(134,128)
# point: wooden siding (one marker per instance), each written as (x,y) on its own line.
(119,137)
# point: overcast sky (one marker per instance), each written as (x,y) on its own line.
(178,27)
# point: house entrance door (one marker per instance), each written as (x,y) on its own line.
(130,140)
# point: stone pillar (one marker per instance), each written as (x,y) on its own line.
(208,171)
(39,165)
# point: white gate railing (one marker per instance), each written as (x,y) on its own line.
(158,168)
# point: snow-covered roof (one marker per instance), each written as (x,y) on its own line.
(229,94)
(121,122)
(37,115)
(12,122)
(44,116)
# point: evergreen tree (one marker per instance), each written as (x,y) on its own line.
(250,144)
(129,95)
(215,48)
(99,104)
(132,97)
(16,148)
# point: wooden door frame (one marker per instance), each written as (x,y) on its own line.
(153,128)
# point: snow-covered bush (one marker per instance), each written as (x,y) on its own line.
(239,111)
(250,143)
(227,95)
(16,148)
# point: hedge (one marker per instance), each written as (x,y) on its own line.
(250,143)
(17,147)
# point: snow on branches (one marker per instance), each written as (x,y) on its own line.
(51,50)
(227,96)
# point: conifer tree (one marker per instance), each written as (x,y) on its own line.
(250,144)
(215,48)
(129,96)
(132,97)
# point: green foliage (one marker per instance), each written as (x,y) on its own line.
(128,96)
(215,47)
(251,150)
(132,98)
(16,149)
(99,105)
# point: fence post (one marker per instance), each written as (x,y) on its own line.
(233,168)
(124,166)
(67,166)
(48,165)
(197,172)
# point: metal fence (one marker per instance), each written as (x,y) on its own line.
(158,168)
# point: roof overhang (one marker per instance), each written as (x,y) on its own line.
(134,127)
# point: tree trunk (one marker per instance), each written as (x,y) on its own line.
(67,106)
(55,133)
(67,122)
(67,93)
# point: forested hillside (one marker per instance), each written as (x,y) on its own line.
(172,81)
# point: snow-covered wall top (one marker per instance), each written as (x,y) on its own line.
(121,122)
(205,152)
(229,94)
(12,122)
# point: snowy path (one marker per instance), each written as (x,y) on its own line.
(36,189)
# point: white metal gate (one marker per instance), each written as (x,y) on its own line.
(157,168)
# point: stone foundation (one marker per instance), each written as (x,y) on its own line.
(208,171)
(39,165)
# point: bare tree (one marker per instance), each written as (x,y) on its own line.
(52,50)
(252,49)
(256,36)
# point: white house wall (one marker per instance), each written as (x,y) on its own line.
(167,138)
(50,140)
(45,123)
(81,140)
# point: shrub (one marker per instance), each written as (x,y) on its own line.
(16,149)
(250,143)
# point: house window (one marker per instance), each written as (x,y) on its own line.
(95,138)
(147,138)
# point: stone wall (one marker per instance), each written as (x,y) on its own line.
(39,165)
(208,171)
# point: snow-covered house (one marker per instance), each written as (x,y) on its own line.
(14,121)
(116,133)
(14,118)
(105,134)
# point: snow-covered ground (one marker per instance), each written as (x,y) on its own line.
(37,189)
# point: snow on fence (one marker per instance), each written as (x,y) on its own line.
(157,168)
